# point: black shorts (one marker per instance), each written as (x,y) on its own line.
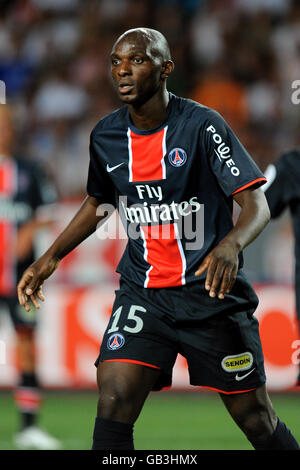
(219,338)
(19,317)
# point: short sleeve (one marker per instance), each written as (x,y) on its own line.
(99,184)
(232,165)
(43,191)
(283,183)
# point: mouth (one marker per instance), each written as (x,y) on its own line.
(125,88)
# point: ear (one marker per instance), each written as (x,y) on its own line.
(167,68)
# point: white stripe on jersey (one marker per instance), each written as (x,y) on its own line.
(145,257)
(181,253)
(164,151)
(130,155)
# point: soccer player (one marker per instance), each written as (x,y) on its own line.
(283,191)
(172,167)
(23,190)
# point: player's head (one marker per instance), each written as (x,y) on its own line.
(6,130)
(140,64)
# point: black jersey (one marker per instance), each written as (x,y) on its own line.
(283,191)
(173,187)
(23,188)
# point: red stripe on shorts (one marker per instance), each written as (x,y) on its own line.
(132,361)
(228,393)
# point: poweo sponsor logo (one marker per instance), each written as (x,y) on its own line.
(238,362)
(223,152)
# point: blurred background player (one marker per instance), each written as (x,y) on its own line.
(23,189)
(282,192)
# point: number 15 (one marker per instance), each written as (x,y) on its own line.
(131,316)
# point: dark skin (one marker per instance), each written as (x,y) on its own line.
(140,69)
(139,74)
(133,62)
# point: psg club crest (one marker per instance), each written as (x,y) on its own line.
(115,341)
(177,157)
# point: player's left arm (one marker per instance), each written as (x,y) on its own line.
(222,262)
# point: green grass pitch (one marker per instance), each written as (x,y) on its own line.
(169,420)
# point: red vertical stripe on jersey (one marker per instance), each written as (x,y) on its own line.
(7,272)
(2,179)
(146,154)
(164,253)
(7,229)
(7,178)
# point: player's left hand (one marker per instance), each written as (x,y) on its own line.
(221,265)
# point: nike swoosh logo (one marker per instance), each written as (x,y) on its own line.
(109,169)
(238,377)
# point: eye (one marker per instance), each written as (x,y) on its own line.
(115,61)
(138,60)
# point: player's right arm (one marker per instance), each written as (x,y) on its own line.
(83,224)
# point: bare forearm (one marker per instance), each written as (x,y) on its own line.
(83,224)
(222,262)
(253,218)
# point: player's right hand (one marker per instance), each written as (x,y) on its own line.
(30,284)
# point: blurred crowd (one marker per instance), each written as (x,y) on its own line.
(237,56)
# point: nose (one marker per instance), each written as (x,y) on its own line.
(124,69)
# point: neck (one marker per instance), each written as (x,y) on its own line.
(152,113)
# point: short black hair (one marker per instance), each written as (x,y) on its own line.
(159,44)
